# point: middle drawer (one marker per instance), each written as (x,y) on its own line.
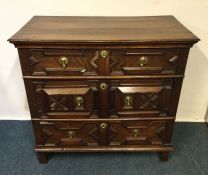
(103,98)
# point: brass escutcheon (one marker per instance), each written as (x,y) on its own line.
(128,101)
(63,61)
(136,132)
(71,134)
(79,101)
(143,60)
(103,86)
(103,53)
(103,125)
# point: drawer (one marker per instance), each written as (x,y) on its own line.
(87,99)
(146,132)
(145,61)
(61,134)
(103,62)
(66,99)
(63,62)
(102,133)
(141,98)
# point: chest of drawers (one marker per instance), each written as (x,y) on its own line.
(103,83)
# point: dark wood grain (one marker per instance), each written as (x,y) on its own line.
(91,133)
(128,148)
(103,29)
(117,77)
(104,119)
(71,111)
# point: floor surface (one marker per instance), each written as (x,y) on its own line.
(189,158)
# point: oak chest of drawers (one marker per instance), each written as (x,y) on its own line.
(103,83)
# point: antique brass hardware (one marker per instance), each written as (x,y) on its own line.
(104,53)
(63,61)
(128,101)
(103,86)
(71,134)
(136,132)
(103,125)
(79,101)
(143,60)
(83,70)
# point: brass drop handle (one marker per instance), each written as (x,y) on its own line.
(104,53)
(103,86)
(71,134)
(103,125)
(83,70)
(63,61)
(143,60)
(128,101)
(79,101)
(136,132)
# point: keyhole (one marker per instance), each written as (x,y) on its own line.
(103,86)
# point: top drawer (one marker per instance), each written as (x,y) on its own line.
(145,61)
(79,62)
(62,62)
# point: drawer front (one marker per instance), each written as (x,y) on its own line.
(137,132)
(60,134)
(103,99)
(145,61)
(60,99)
(103,62)
(102,133)
(63,62)
(141,98)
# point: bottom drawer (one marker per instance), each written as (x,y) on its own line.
(101,133)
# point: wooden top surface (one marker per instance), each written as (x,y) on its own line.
(66,29)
